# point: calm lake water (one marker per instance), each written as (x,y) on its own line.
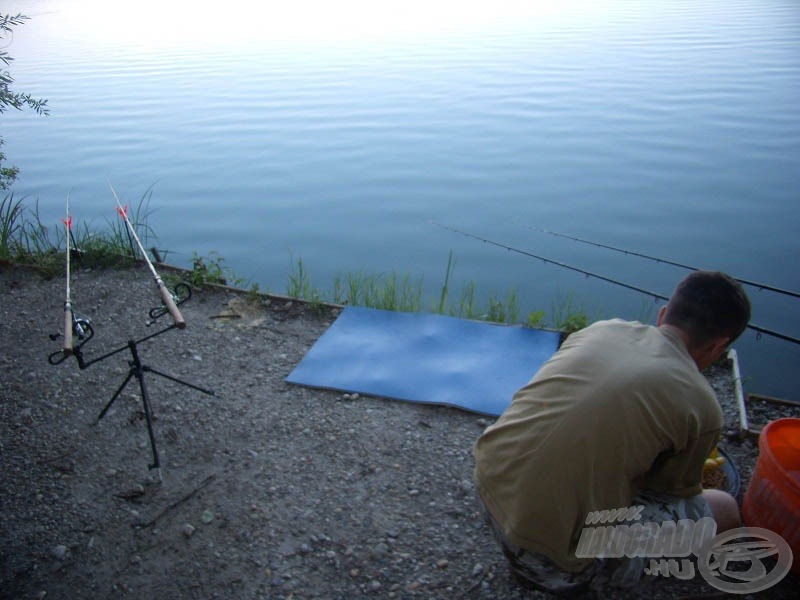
(336,132)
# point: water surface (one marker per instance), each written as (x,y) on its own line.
(338,133)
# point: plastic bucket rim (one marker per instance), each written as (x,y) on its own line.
(765,449)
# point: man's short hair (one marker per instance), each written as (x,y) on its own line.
(707,305)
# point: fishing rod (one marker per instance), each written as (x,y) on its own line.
(760,286)
(74,326)
(757,328)
(166,295)
(68,302)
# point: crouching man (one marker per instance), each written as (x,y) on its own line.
(620,416)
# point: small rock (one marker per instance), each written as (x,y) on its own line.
(188,530)
(133,492)
(477,570)
(442,563)
(59,552)
(207,517)
(375,585)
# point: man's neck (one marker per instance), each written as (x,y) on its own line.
(684,338)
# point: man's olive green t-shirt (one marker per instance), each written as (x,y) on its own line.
(620,408)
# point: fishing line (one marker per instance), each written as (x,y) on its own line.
(756,284)
(757,328)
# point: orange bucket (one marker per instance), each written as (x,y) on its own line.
(772,500)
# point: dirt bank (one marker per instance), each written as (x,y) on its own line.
(269,490)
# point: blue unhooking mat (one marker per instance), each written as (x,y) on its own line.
(419,357)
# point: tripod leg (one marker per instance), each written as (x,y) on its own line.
(176,380)
(149,418)
(115,396)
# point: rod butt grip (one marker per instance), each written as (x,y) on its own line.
(172,308)
(67,331)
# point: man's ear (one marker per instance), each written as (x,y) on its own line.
(661,313)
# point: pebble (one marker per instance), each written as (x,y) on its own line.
(59,552)
(135,491)
(442,563)
(207,517)
(375,585)
(188,530)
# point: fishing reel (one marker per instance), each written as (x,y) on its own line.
(181,294)
(82,330)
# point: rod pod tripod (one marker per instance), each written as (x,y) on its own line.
(137,370)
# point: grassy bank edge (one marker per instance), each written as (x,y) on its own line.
(26,240)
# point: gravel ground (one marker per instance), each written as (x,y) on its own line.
(267,490)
